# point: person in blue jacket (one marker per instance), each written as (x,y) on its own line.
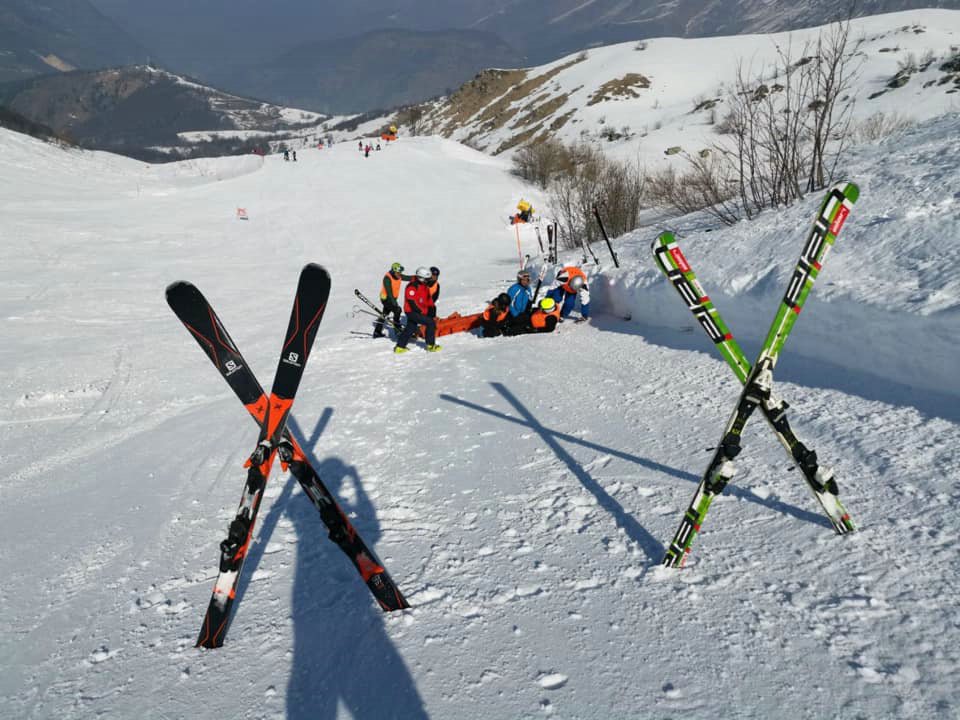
(521,298)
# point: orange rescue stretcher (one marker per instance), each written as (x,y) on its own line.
(454,323)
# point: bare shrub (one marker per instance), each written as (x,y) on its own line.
(784,131)
(541,162)
(594,179)
(708,183)
(880,125)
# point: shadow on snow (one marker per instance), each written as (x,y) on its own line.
(635,531)
(342,654)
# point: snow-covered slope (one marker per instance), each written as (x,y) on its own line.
(645,95)
(519,490)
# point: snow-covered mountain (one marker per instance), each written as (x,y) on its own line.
(519,490)
(640,99)
(151,113)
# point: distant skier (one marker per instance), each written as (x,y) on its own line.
(378,147)
(525,213)
(360,145)
(286,154)
(390,298)
(416,304)
(571,286)
(366,151)
(294,153)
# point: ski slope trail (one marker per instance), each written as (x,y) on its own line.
(519,490)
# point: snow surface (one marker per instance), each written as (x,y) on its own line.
(519,490)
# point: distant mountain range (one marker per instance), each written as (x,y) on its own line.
(247,46)
(142,111)
(43,36)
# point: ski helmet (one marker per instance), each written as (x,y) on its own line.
(576,282)
(523,275)
(503,299)
(423,273)
(434,270)
(563,275)
(547,304)
(396,267)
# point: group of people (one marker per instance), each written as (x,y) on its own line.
(419,304)
(365,149)
(516,311)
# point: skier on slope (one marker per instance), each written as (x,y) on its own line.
(390,297)
(496,315)
(571,286)
(521,296)
(416,304)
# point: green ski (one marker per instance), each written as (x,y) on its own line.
(758,378)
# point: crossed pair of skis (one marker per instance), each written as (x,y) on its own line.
(271,415)
(758,379)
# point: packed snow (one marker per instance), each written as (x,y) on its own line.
(520,491)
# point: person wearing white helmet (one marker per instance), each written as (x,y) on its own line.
(417,302)
(571,287)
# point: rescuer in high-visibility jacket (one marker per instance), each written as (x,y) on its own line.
(390,297)
(416,304)
(495,316)
(571,286)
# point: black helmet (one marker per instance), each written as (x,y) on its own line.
(502,299)
(434,270)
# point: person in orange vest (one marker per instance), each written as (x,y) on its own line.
(433,284)
(495,316)
(571,286)
(390,297)
(543,319)
(416,304)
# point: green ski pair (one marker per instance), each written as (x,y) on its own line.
(758,378)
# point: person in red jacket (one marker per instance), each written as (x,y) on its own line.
(417,302)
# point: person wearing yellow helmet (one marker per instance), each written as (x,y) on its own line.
(545,317)
(390,298)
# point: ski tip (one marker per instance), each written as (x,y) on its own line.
(851,191)
(181,289)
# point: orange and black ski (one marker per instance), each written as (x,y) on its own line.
(200,319)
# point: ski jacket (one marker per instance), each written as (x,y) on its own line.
(520,298)
(542,321)
(390,287)
(572,271)
(495,313)
(416,298)
(567,299)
